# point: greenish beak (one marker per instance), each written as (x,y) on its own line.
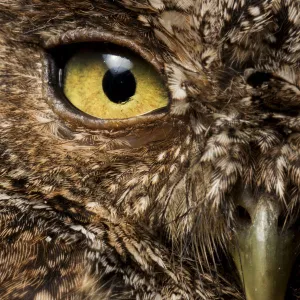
(263,253)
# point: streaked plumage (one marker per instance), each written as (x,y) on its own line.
(147,210)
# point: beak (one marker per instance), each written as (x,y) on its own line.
(263,253)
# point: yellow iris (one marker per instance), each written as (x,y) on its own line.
(110,86)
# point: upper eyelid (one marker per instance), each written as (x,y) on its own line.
(91,35)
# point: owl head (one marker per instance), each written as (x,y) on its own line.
(177,119)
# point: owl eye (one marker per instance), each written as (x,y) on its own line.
(110,82)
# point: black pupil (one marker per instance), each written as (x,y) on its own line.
(119,85)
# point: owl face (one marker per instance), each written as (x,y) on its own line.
(161,137)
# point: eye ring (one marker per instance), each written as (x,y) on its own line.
(62,107)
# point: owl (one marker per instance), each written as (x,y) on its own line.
(149,149)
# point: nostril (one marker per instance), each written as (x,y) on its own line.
(282,220)
(288,222)
(242,215)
